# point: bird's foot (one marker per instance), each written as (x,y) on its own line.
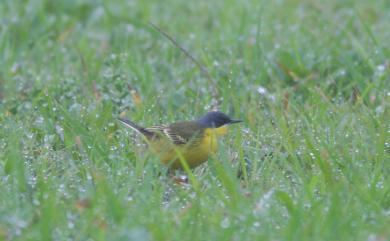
(181,180)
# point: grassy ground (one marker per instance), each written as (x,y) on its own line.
(310,79)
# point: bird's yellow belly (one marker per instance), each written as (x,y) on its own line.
(193,154)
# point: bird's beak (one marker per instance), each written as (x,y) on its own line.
(235,121)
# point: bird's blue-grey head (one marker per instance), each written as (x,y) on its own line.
(215,119)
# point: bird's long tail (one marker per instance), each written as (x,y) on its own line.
(136,127)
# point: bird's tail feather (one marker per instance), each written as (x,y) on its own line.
(136,127)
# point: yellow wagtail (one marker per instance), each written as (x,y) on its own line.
(193,141)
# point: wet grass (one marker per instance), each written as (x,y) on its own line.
(310,80)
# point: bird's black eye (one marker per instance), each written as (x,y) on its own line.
(220,120)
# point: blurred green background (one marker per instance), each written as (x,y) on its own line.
(309,78)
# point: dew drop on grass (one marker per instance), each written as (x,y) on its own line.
(387,212)
(138,233)
(70,224)
(193,195)
(263,203)
(342,72)
(36,202)
(380,69)
(262,90)
(48,140)
(18,224)
(379,185)
(307,206)
(39,121)
(225,223)
(89,177)
(326,209)
(113,148)
(108,73)
(82,189)
(60,132)
(379,110)
(30,135)
(32,181)
(75,107)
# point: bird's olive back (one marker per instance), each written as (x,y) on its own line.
(187,129)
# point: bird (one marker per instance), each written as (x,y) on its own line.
(192,141)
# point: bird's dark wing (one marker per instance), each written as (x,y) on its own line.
(179,133)
(158,130)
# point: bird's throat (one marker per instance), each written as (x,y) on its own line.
(220,131)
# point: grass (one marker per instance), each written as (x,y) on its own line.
(311,81)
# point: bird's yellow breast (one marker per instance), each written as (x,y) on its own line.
(194,153)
